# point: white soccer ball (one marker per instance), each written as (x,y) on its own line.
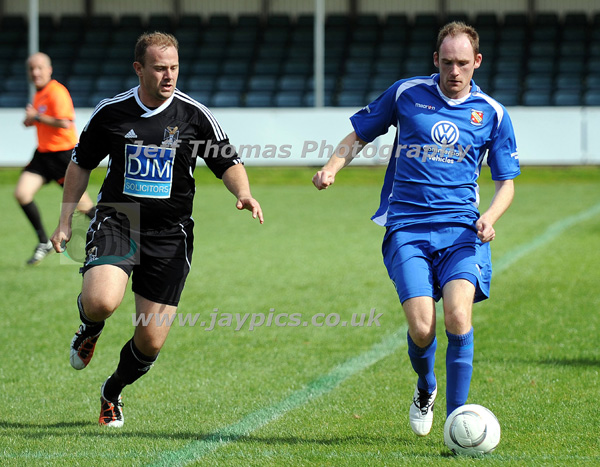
(472,430)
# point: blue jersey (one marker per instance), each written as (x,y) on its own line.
(439,148)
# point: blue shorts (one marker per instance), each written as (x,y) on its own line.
(422,258)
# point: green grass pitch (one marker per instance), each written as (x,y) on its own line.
(310,395)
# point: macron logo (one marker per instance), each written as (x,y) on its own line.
(131,134)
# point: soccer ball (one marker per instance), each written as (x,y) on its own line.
(472,430)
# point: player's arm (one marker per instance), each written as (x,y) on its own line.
(503,196)
(347,150)
(236,181)
(32,116)
(76,181)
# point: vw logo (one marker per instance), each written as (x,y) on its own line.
(445,133)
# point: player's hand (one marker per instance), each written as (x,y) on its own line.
(60,238)
(30,114)
(485,230)
(323,179)
(251,205)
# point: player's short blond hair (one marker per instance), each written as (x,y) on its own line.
(148,39)
(456,28)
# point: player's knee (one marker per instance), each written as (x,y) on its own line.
(99,308)
(457,321)
(422,335)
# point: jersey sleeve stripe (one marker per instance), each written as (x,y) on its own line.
(112,100)
(219,133)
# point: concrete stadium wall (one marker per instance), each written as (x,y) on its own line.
(305,136)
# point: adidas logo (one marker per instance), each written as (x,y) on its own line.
(131,134)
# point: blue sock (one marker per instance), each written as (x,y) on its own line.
(459,369)
(423,360)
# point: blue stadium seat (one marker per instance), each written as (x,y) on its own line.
(259,99)
(109,85)
(309,99)
(541,48)
(506,82)
(292,83)
(592,97)
(539,81)
(203,97)
(508,98)
(199,83)
(566,98)
(592,81)
(227,99)
(157,22)
(351,99)
(81,84)
(289,99)
(354,83)
(267,66)
(537,98)
(262,83)
(230,83)
(13,100)
(569,81)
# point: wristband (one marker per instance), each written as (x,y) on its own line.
(37,118)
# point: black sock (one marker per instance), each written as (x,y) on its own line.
(84,319)
(33,214)
(133,364)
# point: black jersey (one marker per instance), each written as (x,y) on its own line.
(152,154)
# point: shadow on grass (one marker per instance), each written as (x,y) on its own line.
(37,430)
(574,362)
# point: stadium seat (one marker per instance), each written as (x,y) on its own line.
(539,81)
(540,65)
(569,81)
(507,97)
(198,83)
(288,99)
(566,98)
(81,84)
(592,81)
(259,99)
(230,83)
(506,82)
(267,67)
(537,98)
(226,99)
(109,85)
(353,83)
(309,99)
(292,83)
(541,48)
(262,83)
(204,97)
(592,97)
(13,100)
(157,22)
(351,99)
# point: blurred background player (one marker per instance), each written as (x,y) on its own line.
(436,243)
(152,134)
(53,115)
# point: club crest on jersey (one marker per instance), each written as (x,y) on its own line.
(148,171)
(476,117)
(171,136)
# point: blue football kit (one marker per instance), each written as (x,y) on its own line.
(430,197)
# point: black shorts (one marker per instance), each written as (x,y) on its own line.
(157,261)
(50,165)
